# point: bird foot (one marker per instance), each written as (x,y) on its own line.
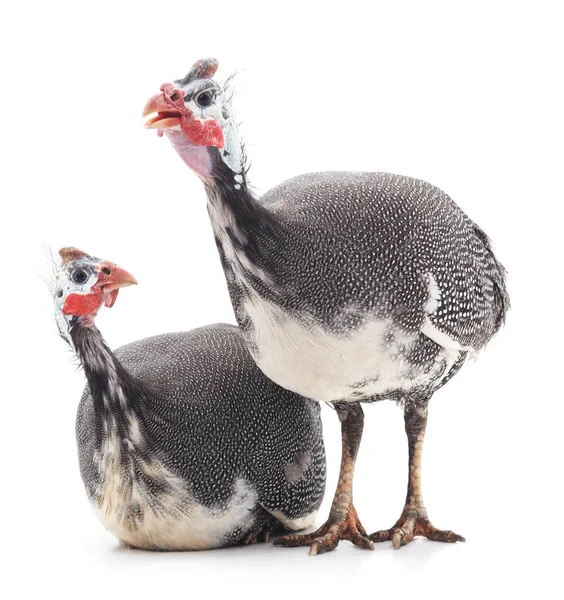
(413,523)
(328,536)
(260,535)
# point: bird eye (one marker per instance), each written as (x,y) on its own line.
(204,99)
(106,271)
(79,276)
(60,294)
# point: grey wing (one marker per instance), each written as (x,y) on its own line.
(291,465)
(225,419)
(384,245)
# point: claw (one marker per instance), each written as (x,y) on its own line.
(449,537)
(362,541)
(403,532)
(250,538)
(260,535)
(328,536)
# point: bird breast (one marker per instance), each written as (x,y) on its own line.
(151,508)
(350,365)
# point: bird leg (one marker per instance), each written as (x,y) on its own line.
(343,522)
(413,520)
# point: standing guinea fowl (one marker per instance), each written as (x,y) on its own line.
(348,288)
(183,443)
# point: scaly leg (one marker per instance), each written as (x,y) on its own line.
(343,522)
(413,520)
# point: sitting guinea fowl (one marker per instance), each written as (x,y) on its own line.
(183,443)
(348,287)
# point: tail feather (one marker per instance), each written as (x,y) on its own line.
(498,275)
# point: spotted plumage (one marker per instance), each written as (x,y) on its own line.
(347,286)
(184,444)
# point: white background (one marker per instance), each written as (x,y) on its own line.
(465,95)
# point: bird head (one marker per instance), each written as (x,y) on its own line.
(83,285)
(195,114)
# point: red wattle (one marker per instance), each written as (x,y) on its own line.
(111,298)
(79,305)
(203,133)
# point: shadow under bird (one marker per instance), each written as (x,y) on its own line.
(348,287)
(183,443)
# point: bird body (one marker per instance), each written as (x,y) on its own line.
(184,444)
(371,284)
(348,287)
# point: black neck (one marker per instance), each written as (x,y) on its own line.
(115,392)
(232,191)
(258,232)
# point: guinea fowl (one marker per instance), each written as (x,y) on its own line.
(348,288)
(183,443)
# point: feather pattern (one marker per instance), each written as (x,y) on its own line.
(184,444)
(385,269)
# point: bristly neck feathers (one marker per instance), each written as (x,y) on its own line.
(236,213)
(231,190)
(115,393)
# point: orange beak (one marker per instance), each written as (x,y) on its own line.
(111,279)
(167,115)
